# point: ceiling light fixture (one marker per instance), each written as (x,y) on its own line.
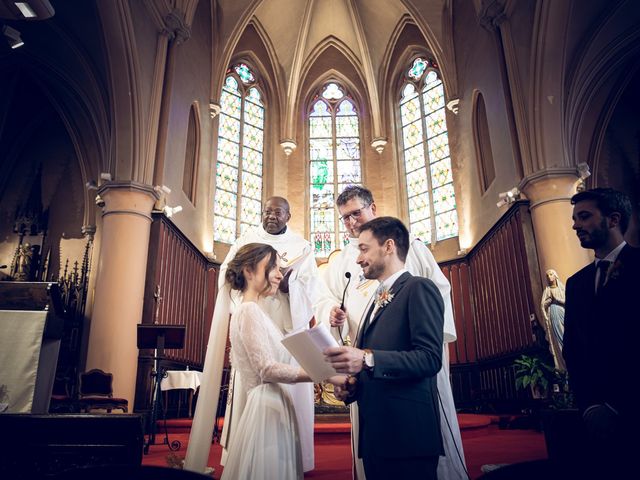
(25,9)
(171,211)
(13,36)
(508,197)
(582,169)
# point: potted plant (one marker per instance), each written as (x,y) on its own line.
(562,396)
(532,372)
(562,423)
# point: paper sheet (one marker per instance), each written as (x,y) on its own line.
(307,346)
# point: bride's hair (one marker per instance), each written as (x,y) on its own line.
(248,257)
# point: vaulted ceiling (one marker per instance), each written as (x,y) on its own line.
(297,33)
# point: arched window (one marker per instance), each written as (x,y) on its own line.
(238,197)
(425,146)
(192,153)
(334,163)
(484,153)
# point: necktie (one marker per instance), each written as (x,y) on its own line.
(603,268)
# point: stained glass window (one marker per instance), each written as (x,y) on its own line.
(334,163)
(427,163)
(238,197)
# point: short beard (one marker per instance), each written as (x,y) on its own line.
(375,270)
(597,238)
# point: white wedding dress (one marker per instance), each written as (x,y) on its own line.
(265,445)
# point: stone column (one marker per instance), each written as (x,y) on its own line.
(558,247)
(119,286)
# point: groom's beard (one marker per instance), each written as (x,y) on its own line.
(373,270)
(595,238)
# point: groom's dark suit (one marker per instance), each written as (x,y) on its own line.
(398,404)
(602,331)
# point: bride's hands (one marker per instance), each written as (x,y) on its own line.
(338,380)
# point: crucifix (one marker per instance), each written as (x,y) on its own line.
(158,299)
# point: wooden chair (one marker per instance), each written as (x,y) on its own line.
(61,399)
(96,392)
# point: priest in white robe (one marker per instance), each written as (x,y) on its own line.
(356,207)
(304,286)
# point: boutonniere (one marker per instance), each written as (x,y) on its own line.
(614,270)
(383,297)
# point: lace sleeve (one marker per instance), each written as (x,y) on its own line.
(255,338)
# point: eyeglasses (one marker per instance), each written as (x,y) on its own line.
(356,214)
(277,212)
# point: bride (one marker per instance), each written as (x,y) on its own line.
(266,443)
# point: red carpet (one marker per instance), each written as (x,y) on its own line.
(484,443)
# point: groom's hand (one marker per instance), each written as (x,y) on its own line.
(345,359)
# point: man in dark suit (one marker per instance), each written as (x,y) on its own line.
(398,354)
(602,328)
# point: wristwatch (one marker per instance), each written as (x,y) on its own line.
(367,360)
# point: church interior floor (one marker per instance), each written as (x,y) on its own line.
(483,442)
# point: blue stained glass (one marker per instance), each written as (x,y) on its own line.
(244,72)
(418,68)
(254,96)
(320,109)
(346,108)
(231,84)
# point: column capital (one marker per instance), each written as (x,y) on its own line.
(128,198)
(492,14)
(550,185)
(175,27)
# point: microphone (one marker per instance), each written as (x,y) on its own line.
(344,292)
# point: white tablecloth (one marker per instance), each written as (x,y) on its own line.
(178,379)
(21,340)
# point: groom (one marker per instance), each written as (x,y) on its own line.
(398,354)
(602,329)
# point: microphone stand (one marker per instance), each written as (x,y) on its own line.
(344,292)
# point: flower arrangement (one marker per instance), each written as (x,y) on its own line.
(614,270)
(383,297)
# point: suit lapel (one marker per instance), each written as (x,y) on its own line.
(395,289)
(364,323)
(588,290)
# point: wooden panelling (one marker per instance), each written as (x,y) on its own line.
(495,291)
(180,288)
(500,268)
(463,350)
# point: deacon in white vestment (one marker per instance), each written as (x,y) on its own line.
(356,207)
(303,281)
